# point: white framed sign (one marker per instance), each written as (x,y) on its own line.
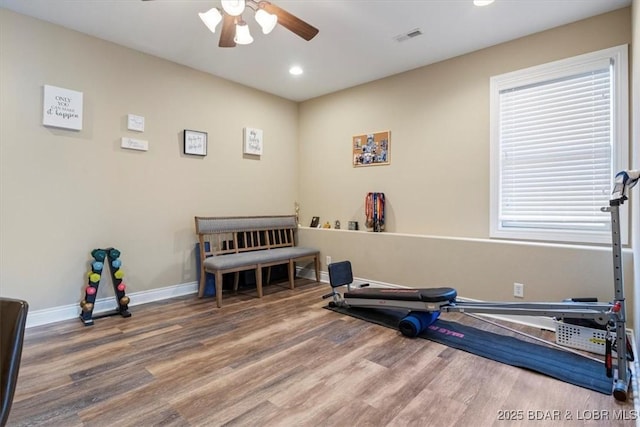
(62,108)
(253,141)
(135,123)
(134,144)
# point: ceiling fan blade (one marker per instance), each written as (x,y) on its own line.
(291,22)
(228,32)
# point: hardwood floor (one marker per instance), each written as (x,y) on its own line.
(281,360)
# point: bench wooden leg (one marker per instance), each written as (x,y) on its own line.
(317,262)
(219,288)
(259,280)
(268,275)
(236,281)
(203,282)
(292,274)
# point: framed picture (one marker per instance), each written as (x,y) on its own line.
(62,108)
(195,142)
(371,149)
(315,221)
(252,141)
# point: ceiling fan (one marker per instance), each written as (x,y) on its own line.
(236,31)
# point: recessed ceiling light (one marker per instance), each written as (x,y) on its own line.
(295,70)
(482,2)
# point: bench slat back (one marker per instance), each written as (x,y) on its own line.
(227,235)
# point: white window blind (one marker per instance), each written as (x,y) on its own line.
(555,139)
(556,151)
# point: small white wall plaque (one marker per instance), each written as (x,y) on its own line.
(135,123)
(134,144)
(62,108)
(253,141)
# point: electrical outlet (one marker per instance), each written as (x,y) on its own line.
(518,290)
(328,260)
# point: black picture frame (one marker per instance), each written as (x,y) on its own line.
(315,221)
(194,142)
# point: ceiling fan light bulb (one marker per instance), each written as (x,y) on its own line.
(233,7)
(266,20)
(211,18)
(243,36)
(482,2)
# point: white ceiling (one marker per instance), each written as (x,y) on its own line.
(355,44)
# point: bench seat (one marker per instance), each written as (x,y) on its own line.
(279,256)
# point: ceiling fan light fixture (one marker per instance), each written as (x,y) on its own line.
(243,36)
(233,7)
(234,30)
(211,18)
(266,20)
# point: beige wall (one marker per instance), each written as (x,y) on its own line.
(438,180)
(64,192)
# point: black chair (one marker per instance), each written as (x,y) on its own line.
(13,318)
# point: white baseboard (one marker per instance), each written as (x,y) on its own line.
(72,311)
(309,273)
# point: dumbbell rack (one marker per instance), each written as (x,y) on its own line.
(108,258)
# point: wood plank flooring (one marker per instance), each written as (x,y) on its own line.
(281,360)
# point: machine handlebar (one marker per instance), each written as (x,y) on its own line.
(624,181)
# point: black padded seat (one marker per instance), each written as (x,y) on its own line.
(424,295)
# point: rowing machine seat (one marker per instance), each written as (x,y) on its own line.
(424,295)
(340,274)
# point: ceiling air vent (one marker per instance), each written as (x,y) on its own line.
(409,35)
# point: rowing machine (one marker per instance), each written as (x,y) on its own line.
(425,305)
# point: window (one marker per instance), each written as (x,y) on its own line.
(559,134)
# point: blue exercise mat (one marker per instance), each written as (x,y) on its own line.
(564,366)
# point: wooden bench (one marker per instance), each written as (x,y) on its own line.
(234,244)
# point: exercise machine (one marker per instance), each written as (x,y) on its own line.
(425,305)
